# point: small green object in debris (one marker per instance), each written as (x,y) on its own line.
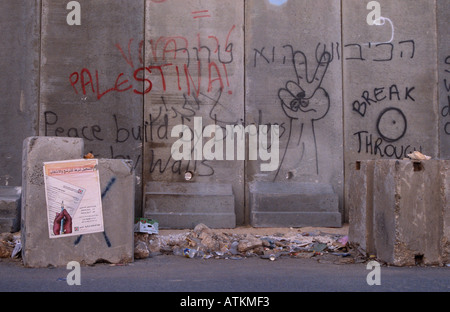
(143,225)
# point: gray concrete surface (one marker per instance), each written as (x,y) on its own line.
(34,225)
(185,205)
(115,244)
(445,188)
(407,212)
(134,69)
(199,47)
(19,83)
(299,51)
(201,278)
(293,204)
(360,204)
(84,70)
(399,212)
(390,81)
(443,15)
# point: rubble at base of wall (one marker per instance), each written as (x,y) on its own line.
(204,243)
(10,245)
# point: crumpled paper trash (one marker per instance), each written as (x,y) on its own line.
(10,245)
(418,156)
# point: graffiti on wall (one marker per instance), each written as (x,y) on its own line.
(196,66)
(302,99)
(180,76)
(188,76)
(381,52)
(391,123)
(381,106)
(304,102)
(445,111)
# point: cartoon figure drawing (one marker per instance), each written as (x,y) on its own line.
(304,101)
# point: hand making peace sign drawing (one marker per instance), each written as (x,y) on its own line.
(304,101)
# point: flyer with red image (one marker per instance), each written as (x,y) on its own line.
(72,190)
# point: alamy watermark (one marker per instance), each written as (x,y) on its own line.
(374,276)
(374,17)
(74,276)
(192,146)
(74,16)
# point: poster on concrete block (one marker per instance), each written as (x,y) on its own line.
(74,203)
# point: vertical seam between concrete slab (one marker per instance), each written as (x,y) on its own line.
(246,206)
(40,11)
(141,209)
(438,89)
(344,204)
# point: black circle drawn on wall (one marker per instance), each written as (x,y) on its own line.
(392,124)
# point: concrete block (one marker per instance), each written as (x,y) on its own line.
(114,245)
(407,212)
(185,205)
(10,209)
(390,83)
(199,46)
(360,205)
(36,151)
(284,204)
(445,189)
(87,78)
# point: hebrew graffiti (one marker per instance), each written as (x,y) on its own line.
(381,51)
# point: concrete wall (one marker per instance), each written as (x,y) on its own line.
(195,58)
(390,81)
(19,83)
(84,69)
(443,14)
(134,69)
(297,53)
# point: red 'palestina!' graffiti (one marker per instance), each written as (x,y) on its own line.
(200,67)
